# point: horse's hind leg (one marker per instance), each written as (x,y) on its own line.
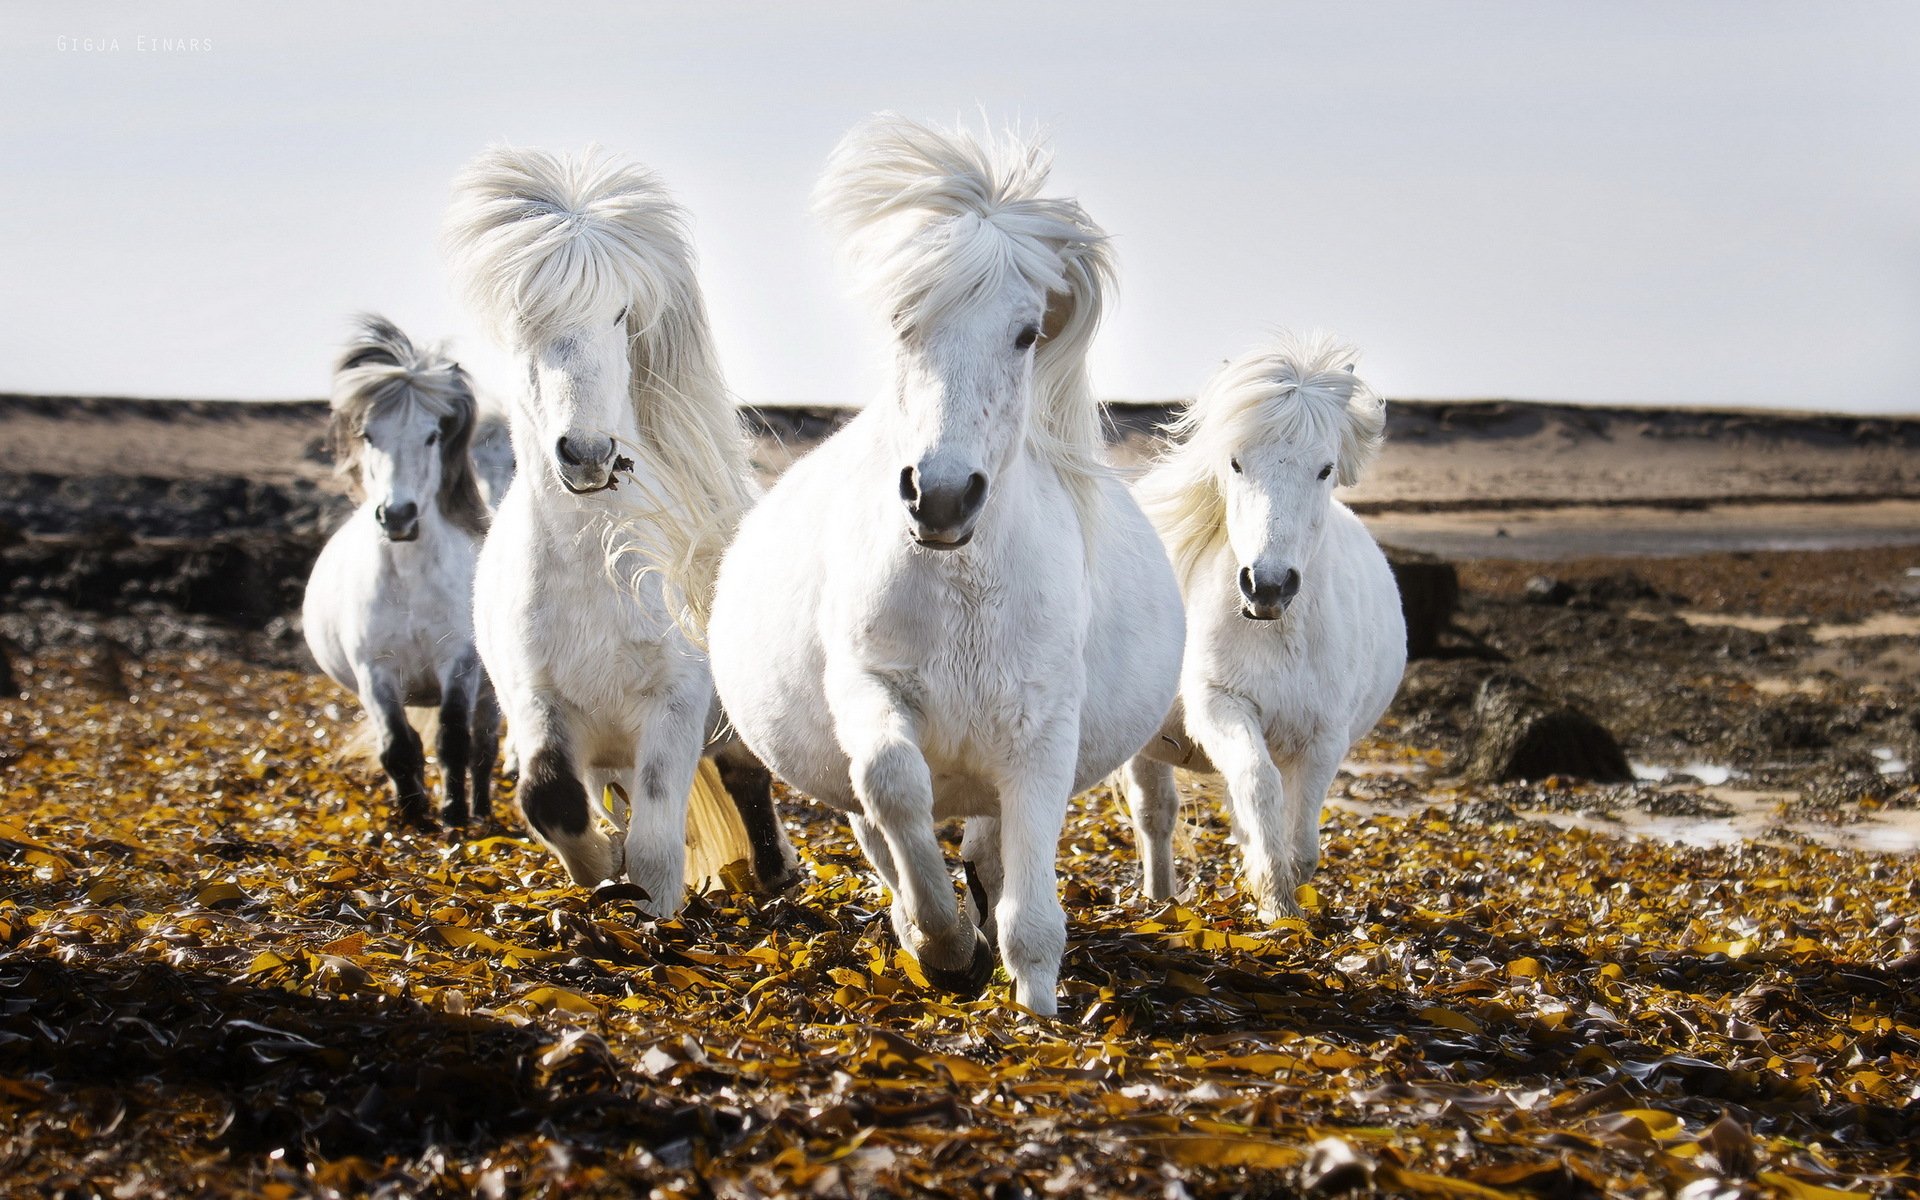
(1154,800)
(401,755)
(554,800)
(485,722)
(454,747)
(980,855)
(775,866)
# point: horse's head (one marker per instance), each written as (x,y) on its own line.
(963,387)
(401,422)
(583,267)
(400,466)
(578,401)
(993,291)
(1293,422)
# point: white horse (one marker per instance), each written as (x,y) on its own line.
(584,269)
(1295,640)
(950,608)
(388,609)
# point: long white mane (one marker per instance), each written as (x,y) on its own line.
(543,242)
(1297,389)
(932,220)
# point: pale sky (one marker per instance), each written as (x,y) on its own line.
(1661,203)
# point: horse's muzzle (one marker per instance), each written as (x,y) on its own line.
(1264,598)
(582,468)
(400,522)
(943,511)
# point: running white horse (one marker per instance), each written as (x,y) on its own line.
(1295,640)
(950,608)
(389,606)
(584,269)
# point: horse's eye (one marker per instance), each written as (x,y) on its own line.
(1326,470)
(1235,464)
(621,319)
(435,436)
(366,437)
(1026,338)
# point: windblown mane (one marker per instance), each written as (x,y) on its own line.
(1295,389)
(933,220)
(543,243)
(380,369)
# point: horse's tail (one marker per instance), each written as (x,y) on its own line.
(719,853)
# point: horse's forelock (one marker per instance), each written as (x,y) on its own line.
(542,243)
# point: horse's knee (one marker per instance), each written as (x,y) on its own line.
(552,796)
(893,784)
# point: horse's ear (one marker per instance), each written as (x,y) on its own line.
(1059,312)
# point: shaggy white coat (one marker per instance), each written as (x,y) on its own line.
(906,684)
(1271,705)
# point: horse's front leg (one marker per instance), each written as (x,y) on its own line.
(1033,807)
(664,765)
(401,755)
(750,784)
(1154,799)
(1307,784)
(895,790)
(552,796)
(1229,730)
(454,744)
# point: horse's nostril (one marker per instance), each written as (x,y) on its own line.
(566,453)
(976,491)
(1289,583)
(910,486)
(1247,587)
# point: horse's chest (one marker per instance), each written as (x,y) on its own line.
(982,666)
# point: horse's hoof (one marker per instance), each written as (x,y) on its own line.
(972,981)
(418,819)
(782,881)
(454,818)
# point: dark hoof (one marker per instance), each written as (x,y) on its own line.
(781,882)
(971,982)
(455,818)
(417,817)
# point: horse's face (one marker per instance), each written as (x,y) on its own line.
(400,467)
(1278,495)
(964,388)
(578,404)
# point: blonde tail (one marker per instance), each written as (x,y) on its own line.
(718,853)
